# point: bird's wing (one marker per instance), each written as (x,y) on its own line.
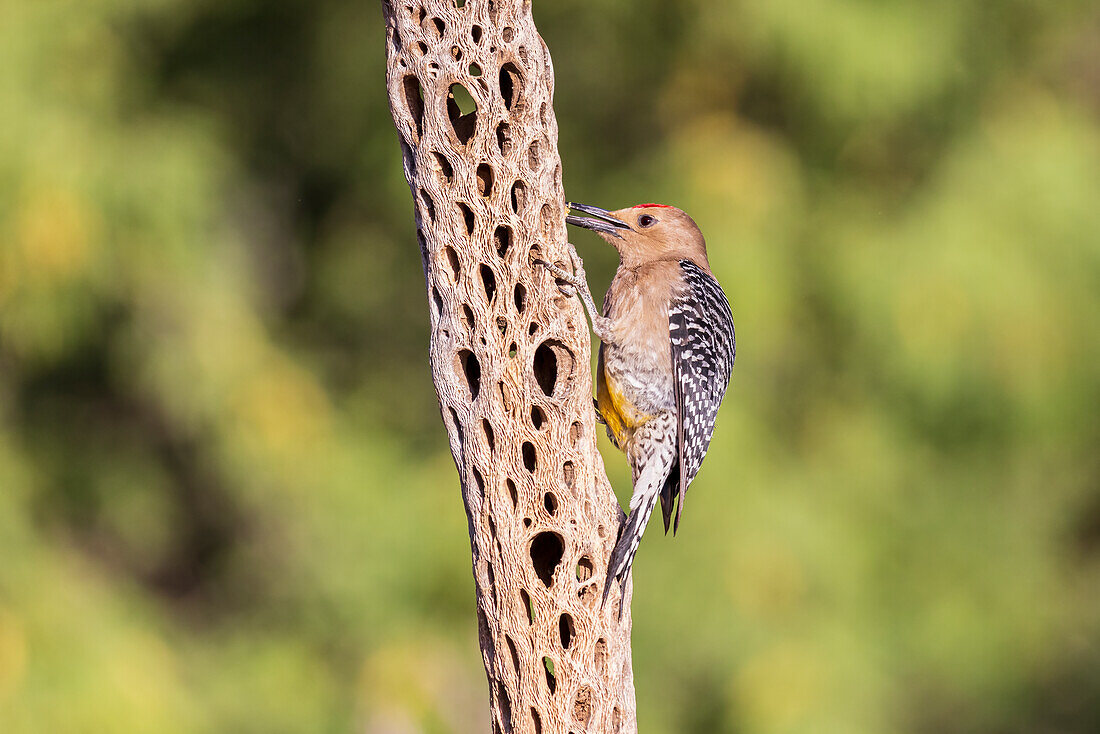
(703,350)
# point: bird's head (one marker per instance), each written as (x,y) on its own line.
(645,233)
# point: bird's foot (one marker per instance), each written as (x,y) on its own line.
(566,281)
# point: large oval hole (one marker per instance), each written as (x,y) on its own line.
(488,282)
(414,102)
(510,84)
(485,179)
(502,237)
(519,195)
(504,142)
(551,681)
(553,366)
(443,166)
(470,368)
(468,217)
(530,459)
(546,551)
(462,113)
(565,630)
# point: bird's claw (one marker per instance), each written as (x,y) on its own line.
(565,281)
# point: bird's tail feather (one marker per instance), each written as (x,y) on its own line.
(630,535)
(669,493)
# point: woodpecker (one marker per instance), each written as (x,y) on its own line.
(667,348)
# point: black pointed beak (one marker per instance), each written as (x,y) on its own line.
(598,220)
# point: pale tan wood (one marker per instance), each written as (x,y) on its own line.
(510,359)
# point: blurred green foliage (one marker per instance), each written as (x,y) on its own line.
(226,502)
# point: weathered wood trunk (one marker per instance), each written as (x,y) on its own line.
(510,360)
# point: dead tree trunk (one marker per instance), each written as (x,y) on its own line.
(510,360)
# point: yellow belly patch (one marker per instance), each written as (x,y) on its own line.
(620,415)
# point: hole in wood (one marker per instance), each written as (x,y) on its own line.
(508,34)
(533,156)
(468,217)
(485,179)
(439,26)
(550,502)
(503,141)
(429,205)
(585,569)
(515,654)
(490,437)
(512,493)
(468,317)
(437,300)
(475,70)
(422,243)
(536,720)
(488,282)
(510,82)
(538,418)
(479,480)
(553,366)
(512,350)
(456,53)
(453,262)
(569,475)
(616,720)
(546,552)
(414,102)
(588,595)
(582,705)
(600,656)
(575,432)
(519,297)
(469,368)
(443,166)
(565,630)
(551,681)
(457,424)
(462,112)
(502,238)
(422,48)
(527,522)
(505,707)
(546,214)
(533,329)
(502,325)
(475,34)
(526,599)
(530,458)
(460,3)
(519,195)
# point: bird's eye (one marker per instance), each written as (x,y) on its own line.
(646,220)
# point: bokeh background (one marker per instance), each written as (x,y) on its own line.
(226,500)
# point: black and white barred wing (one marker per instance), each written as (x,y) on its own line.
(703,349)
